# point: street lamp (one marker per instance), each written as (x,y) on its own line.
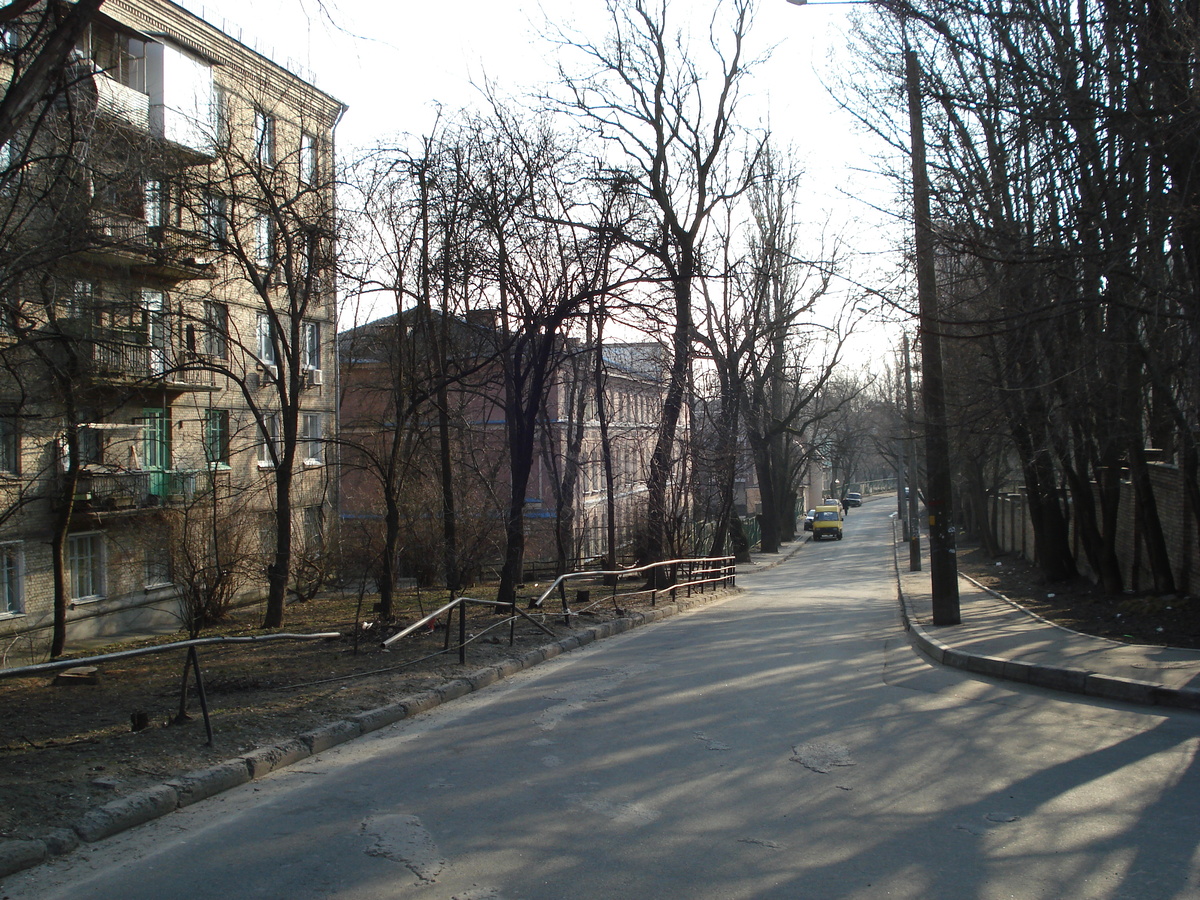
(943,562)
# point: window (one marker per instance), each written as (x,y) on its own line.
(264,241)
(266,340)
(153,203)
(8,173)
(313,523)
(216,330)
(214,219)
(85,560)
(12,594)
(312,345)
(269,445)
(10,446)
(308,158)
(157,565)
(91,446)
(268,533)
(118,55)
(153,304)
(216,436)
(222,115)
(264,138)
(312,438)
(81,302)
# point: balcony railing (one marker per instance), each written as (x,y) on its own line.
(116,491)
(161,250)
(124,355)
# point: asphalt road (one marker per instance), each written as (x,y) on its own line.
(785,743)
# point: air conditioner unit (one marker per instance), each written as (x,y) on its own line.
(316,377)
(269,374)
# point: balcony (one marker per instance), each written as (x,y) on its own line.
(102,493)
(125,356)
(121,103)
(126,241)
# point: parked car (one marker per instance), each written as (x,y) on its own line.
(808,519)
(827,522)
(854,498)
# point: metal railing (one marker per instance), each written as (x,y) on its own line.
(669,576)
(191,664)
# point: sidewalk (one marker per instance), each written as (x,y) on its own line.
(999,638)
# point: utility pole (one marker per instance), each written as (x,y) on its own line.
(912,532)
(943,563)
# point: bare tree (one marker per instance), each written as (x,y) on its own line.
(671,120)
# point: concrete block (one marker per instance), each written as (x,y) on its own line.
(1111,687)
(374,719)
(568,644)
(265,760)
(193,787)
(418,703)
(1018,671)
(126,812)
(509,667)
(483,677)
(986,665)
(1071,680)
(533,657)
(330,735)
(452,690)
(18,855)
(60,841)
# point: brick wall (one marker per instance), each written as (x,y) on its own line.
(1014,532)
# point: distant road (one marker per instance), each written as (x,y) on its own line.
(787,743)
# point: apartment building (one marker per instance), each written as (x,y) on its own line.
(167,242)
(389,429)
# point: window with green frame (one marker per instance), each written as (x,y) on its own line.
(216,436)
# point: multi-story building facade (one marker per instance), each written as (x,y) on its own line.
(167,230)
(389,431)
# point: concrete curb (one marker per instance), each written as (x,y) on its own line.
(151,803)
(1056,678)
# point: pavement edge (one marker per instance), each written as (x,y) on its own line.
(1057,678)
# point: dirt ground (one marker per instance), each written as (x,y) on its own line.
(66,748)
(69,747)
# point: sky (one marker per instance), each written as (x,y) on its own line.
(393,63)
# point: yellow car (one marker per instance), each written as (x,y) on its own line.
(827,522)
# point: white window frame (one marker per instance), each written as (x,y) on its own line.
(264,241)
(313,436)
(308,158)
(264,138)
(266,340)
(153,202)
(268,438)
(312,345)
(12,579)
(222,110)
(96,561)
